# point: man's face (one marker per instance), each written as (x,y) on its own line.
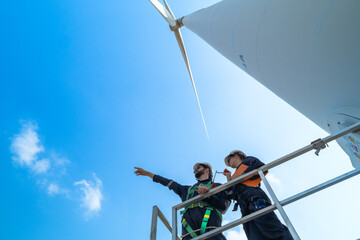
(199,171)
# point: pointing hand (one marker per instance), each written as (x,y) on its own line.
(142,172)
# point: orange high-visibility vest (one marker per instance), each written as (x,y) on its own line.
(251,183)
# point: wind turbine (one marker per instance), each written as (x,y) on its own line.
(175,26)
(307,52)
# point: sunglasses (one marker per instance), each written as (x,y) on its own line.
(198,167)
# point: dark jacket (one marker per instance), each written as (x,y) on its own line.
(194,216)
(252,199)
(242,191)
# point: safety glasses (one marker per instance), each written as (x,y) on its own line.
(198,167)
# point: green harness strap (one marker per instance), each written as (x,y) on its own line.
(209,208)
(188,228)
(198,204)
(190,194)
(205,221)
(203,224)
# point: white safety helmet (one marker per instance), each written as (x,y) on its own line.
(235,152)
(205,164)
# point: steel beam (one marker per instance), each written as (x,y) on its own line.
(320,187)
(174,224)
(279,207)
(154,223)
(155,214)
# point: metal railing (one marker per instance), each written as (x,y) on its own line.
(317,145)
(155,215)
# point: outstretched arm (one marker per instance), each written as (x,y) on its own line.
(143,172)
(172,185)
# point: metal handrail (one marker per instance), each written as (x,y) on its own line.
(155,214)
(284,202)
(313,145)
(317,144)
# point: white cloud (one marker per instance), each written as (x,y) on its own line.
(92,195)
(41,166)
(224,222)
(26,145)
(59,161)
(235,235)
(50,167)
(59,164)
(53,189)
(273,179)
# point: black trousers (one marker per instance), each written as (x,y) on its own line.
(217,237)
(194,218)
(266,227)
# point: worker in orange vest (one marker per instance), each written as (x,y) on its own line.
(251,198)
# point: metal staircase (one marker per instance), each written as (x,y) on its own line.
(318,145)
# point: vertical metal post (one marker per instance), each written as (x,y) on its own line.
(154,223)
(174,223)
(279,207)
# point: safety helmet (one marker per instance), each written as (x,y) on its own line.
(237,152)
(205,164)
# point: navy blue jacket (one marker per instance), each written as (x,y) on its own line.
(194,216)
(252,199)
(252,163)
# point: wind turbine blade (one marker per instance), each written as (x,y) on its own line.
(169,9)
(183,52)
(164,12)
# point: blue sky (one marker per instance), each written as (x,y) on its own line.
(90,89)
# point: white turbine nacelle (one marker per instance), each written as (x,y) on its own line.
(305,51)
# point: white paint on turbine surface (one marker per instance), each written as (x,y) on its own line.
(306,52)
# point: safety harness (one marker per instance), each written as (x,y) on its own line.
(244,184)
(208,207)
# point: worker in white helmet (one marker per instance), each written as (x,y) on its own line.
(199,217)
(251,198)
